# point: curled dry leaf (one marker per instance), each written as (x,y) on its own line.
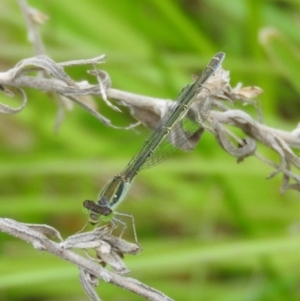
(59,82)
(4,109)
(88,283)
(244,148)
(113,259)
(248,92)
(109,249)
(37,16)
(48,231)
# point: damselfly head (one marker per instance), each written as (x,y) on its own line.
(93,210)
(96,210)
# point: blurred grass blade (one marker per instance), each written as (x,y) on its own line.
(283,55)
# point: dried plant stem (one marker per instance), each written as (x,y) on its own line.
(42,243)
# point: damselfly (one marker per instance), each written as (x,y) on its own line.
(172,129)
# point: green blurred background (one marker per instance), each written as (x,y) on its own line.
(211,229)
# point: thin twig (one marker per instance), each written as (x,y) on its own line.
(30,16)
